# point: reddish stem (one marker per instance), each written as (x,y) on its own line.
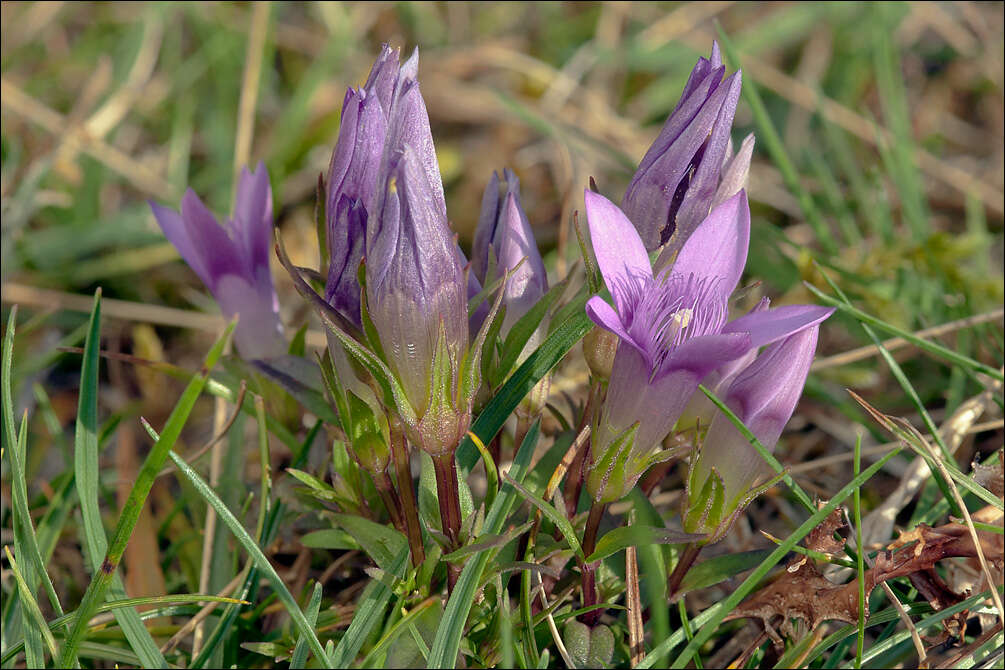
(403,471)
(589,570)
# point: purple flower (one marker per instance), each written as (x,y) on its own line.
(233,259)
(763,396)
(504,241)
(352,179)
(688,170)
(673,330)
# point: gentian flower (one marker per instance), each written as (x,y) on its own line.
(505,241)
(416,289)
(688,170)
(232,260)
(724,476)
(674,330)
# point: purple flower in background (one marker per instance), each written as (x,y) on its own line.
(504,233)
(233,259)
(673,330)
(763,396)
(688,170)
(352,180)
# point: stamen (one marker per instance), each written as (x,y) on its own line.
(664,313)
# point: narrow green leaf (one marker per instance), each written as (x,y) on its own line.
(299,658)
(86,476)
(33,622)
(329,538)
(112,605)
(530,372)
(925,345)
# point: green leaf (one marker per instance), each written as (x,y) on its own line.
(446,644)
(638,535)
(531,371)
(381,543)
(329,538)
(299,658)
(524,329)
(86,475)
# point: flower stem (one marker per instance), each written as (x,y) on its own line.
(403,471)
(445,466)
(385,487)
(684,564)
(589,570)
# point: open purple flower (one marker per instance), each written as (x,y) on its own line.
(688,169)
(724,476)
(232,259)
(505,241)
(673,329)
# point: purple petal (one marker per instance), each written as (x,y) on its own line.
(716,58)
(619,250)
(774,324)
(701,355)
(174,228)
(259,332)
(488,220)
(698,198)
(382,77)
(217,251)
(718,248)
(253,215)
(604,316)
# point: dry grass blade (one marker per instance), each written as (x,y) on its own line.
(636,636)
(249,85)
(30,296)
(139,175)
(203,613)
(878,524)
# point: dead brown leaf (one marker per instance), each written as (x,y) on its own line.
(803,593)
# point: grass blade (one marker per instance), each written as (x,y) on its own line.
(301,650)
(370,610)
(152,466)
(447,642)
(261,561)
(931,347)
(86,474)
(33,617)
